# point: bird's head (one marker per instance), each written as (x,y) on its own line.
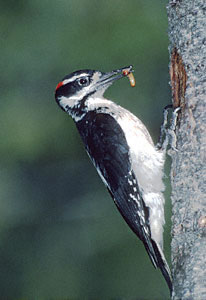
(74,89)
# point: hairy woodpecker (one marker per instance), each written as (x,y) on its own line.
(123,153)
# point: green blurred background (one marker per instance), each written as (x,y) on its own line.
(61,236)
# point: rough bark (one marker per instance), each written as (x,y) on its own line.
(187,35)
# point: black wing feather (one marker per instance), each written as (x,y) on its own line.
(106,144)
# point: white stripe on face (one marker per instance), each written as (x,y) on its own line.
(73,78)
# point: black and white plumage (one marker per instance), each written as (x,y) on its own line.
(123,153)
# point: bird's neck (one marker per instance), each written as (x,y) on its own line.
(89,104)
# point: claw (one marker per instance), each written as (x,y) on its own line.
(167,135)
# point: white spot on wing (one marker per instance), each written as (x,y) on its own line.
(130,182)
(133,197)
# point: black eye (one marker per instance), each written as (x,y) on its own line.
(83,81)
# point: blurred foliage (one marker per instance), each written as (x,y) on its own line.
(61,236)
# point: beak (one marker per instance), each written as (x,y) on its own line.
(108,78)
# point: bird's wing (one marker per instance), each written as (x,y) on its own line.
(107,147)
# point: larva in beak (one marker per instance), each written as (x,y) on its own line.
(129,74)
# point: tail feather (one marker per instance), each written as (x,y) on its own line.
(162,264)
(158,260)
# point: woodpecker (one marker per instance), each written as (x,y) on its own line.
(122,150)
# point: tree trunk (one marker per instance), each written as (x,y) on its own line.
(187,35)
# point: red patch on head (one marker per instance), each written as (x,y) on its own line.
(59,85)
